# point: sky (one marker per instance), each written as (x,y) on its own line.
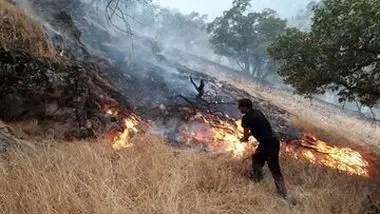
(214,8)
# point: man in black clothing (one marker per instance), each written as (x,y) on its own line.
(254,122)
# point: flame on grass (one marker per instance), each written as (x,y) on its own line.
(120,135)
(317,151)
(223,135)
(218,135)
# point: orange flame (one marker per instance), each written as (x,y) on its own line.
(224,136)
(219,135)
(317,151)
(119,137)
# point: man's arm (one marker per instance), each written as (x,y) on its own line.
(246,135)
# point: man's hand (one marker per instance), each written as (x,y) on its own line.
(243,140)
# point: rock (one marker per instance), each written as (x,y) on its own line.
(51,108)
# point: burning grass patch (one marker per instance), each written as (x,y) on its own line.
(18,32)
(317,127)
(337,139)
(151,177)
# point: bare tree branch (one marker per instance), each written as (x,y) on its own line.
(118,9)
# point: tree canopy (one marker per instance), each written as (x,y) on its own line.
(302,20)
(242,35)
(341,52)
(187,30)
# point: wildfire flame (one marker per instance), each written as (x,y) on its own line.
(317,151)
(224,136)
(119,136)
(218,135)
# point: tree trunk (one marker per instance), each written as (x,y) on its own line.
(373,114)
(270,68)
(265,74)
(258,69)
(359,106)
(247,65)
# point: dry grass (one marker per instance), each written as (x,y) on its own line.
(316,127)
(150,177)
(18,32)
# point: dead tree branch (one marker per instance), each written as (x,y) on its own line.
(118,9)
(204,105)
(199,88)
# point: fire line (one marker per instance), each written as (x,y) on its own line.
(223,135)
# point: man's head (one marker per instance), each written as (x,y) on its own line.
(244,105)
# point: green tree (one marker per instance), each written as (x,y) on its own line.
(243,36)
(341,53)
(176,28)
(302,20)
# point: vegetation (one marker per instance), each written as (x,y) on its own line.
(341,52)
(118,13)
(243,36)
(165,25)
(151,177)
(302,20)
(18,32)
(188,30)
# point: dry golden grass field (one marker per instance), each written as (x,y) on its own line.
(151,177)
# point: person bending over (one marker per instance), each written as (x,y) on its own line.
(254,122)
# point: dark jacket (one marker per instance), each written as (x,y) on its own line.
(261,129)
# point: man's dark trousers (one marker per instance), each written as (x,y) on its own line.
(271,156)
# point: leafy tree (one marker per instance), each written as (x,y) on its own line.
(341,53)
(177,28)
(243,36)
(302,20)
